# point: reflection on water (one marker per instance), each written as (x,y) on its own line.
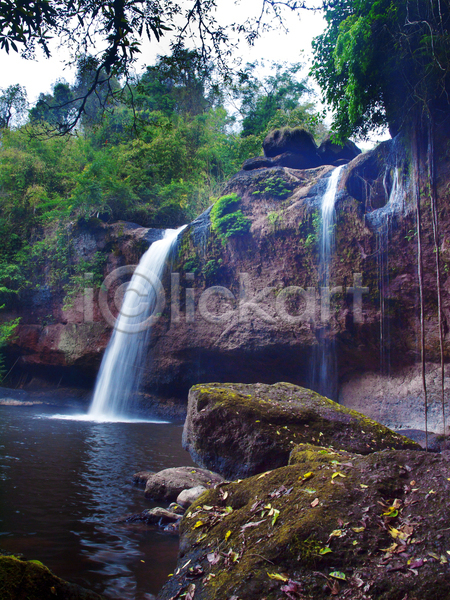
(107,419)
(64,481)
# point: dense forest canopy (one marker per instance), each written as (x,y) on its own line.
(119,27)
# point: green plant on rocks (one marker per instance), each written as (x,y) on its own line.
(227,220)
(274,219)
(276,187)
(31,580)
(212,267)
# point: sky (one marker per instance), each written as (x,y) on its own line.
(39,75)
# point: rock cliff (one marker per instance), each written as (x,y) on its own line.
(249,307)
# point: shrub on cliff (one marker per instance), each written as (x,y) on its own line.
(228,221)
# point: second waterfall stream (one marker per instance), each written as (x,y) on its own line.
(121,369)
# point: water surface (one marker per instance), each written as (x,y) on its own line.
(62,484)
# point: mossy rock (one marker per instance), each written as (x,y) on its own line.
(335,524)
(239,430)
(31,580)
(293,140)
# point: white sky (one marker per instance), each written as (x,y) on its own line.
(39,75)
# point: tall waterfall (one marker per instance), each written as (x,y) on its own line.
(121,369)
(324,373)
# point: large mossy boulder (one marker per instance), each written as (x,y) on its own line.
(330,525)
(31,580)
(295,141)
(239,430)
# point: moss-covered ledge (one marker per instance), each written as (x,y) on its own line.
(334,524)
(238,430)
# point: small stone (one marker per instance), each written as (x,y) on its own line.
(176,508)
(188,497)
(160,515)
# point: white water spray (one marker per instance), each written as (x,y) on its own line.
(327,229)
(324,359)
(121,369)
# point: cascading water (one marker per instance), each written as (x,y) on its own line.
(383,220)
(383,236)
(121,369)
(324,359)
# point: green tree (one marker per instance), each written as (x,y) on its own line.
(383,63)
(7,329)
(13,105)
(55,109)
(177,84)
(261,99)
(107,94)
(278,100)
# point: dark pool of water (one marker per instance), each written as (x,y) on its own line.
(62,484)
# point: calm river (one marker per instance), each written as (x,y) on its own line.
(62,484)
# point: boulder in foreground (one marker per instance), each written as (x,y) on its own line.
(31,580)
(167,484)
(331,525)
(239,430)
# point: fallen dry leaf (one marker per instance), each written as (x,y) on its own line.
(278,577)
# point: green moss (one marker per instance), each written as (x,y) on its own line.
(31,580)
(227,220)
(296,539)
(274,187)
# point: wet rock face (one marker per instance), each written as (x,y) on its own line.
(331,524)
(397,399)
(64,339)
(239,430)
(242,309)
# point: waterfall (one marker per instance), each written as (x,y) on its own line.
(327,226)
(324,370)
(385,221)
(122,365)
